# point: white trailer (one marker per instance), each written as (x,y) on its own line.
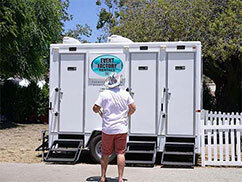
(164,78)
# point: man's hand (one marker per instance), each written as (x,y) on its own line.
(132,109)
(96,108)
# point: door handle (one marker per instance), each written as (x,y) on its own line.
(61,95)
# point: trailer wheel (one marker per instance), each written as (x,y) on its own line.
(96,150)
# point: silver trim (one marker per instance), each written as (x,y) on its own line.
(84,94)
(129,89)
(59,91)
(180,51)
(156,94)
(194,93)
(166,98)
(142,134)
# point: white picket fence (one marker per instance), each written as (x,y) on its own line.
(221,135)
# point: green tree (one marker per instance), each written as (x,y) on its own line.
(217,24)
(79,31)
(27,27)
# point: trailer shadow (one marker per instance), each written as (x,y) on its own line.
(108,179)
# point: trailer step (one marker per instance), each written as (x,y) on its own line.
(141,152)
(68,141)
(141,142)
(168,163)
(179,152)
(64,150)
(178,143)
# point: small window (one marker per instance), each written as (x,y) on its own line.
(143,68)
(72,48)
(180,47)
(143,48)
(180,68)
(71,68)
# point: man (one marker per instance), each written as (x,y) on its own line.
(117,105)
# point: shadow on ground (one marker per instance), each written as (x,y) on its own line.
(7,125)
(108,179)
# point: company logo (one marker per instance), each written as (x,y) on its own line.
(106,64)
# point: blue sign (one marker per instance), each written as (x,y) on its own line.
(106,64)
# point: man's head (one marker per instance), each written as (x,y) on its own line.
(112,81)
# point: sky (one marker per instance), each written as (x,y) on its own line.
(84,12)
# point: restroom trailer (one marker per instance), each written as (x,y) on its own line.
(165,80)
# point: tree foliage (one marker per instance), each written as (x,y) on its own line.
(79,31)
(217,24)
(27,27)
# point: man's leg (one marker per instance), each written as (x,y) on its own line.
(121,164)
(104,165)
(107,149)
(120,147)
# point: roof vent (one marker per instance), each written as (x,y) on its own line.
(70,40)
(118,39)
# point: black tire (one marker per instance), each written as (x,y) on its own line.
(95,150)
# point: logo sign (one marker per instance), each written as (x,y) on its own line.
(106,64)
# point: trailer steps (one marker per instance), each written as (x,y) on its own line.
(179,152)
(141,152)
(64,151)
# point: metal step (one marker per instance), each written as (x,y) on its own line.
(178,153)
(59,149)
(135,149)
(144,142)
(177,163)
(178,143)
(68,141)
(64,149)
(141,151)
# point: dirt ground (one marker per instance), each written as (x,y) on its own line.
(19,141)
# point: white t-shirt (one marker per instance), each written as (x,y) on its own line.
(114,103)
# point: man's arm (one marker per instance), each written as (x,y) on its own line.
(132,109)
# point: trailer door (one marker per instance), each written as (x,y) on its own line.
(71,93)
(180,84)
(143,67)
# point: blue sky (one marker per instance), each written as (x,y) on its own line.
(84,12)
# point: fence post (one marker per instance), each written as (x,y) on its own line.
(227,140)
(220,138)
(215,154)
(209,139)
(232,137)
(203,138)
(238,135)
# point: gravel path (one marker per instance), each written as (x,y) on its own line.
(18,143)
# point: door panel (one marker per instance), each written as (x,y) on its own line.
(143,85)
(180,114)
(71,97)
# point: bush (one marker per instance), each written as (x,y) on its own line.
(209,101)
(21,104)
